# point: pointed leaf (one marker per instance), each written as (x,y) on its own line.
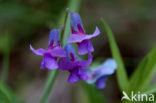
(94,95)
(121,72)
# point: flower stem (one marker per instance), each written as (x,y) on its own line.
(48,86)
(6,57)
(5,67)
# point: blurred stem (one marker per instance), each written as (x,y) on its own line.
(5,58)
(5,67)
(48,86)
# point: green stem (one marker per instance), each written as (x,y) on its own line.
(6,57)
(5,67)
(48,86)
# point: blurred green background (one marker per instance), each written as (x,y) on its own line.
(25,22)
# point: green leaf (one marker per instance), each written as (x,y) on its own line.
(6,95)
(144,73)
(137,75)
(94,95)
(150,69)
(121,72)
(150,90)
(6,53)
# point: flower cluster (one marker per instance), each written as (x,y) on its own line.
(69,59)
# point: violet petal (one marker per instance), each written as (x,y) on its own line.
(54,36)
(70,50)
(73,77)
(49,62)
(101,83)
(96,33)
(38,51)
(66,64)
(58,52)
(82,74)
(85,63)
(84,47)
(106,68)
(77,38)
(75,21)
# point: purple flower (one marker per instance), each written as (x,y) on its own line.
(98,74)
(74,65)
(79,36)
(54,50)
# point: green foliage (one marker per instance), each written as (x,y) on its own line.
(141,79)
(95,96)
(48,86)
(144,73)
(6,95)
(121,72)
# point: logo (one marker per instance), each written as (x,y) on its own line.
(137,96)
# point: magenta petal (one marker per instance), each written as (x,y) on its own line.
(73,77)
(84,47)
(66,64)
(80,28)
(77,38)
(58,52)
(96,33)
(38,51)
(74,38)
(49,62)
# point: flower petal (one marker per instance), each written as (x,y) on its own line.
(101,83)
(38,51)
(70,50)
(84,47)
(49,62)
(85,63)
(73,77)
(82,74)
(66,64)
(76,38)
(58,52)
(54,36)
(96,33)
(106,68)
(75,21)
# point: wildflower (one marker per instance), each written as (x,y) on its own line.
(79,36)
(74,65)
(97,75)
(54,50)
